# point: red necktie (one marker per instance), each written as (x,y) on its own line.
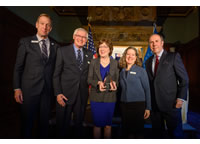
(156,65)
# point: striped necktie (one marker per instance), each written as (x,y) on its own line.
(79,59)
(44,51)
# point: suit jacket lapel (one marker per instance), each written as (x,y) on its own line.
(112,69)
(161,61)
(97,68)
(149,66)
(52,51)
(73,55)
(85,59)
(124,75)
(35,45)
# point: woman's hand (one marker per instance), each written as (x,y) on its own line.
(113,86)
(101,86)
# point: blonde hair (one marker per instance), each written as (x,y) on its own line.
(122,61)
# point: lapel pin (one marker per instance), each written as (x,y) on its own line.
(52,43)
(88,62)
(86,55)
(34,41)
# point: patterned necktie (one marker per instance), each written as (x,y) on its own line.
(79,59)
(44,51)
(156,65)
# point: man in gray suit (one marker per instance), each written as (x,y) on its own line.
(33,73)
(70,83)
(168,82)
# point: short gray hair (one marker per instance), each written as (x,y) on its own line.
(80,29)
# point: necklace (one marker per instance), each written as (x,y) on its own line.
(104,61)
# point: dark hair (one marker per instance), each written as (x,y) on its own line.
(161,37)
(108,43)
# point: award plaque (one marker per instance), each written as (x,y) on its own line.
(107,81)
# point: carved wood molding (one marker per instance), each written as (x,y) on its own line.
(123,35)
(122,13)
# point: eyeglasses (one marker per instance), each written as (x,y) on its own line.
(103,47)
(83,37)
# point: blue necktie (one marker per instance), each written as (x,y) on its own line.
(79,59)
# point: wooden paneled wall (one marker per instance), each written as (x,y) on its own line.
(190,53)
(12,28)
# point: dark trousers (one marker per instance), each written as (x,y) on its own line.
(173,122)
(36,108)
(64,115)
(132,119)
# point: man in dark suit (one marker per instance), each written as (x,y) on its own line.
(70,83)
(169,83)
(33,73)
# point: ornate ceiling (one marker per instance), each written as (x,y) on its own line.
(123,15)
(161,10)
